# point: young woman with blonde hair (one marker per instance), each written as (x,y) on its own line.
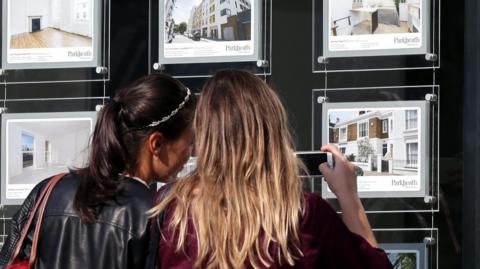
(244,206)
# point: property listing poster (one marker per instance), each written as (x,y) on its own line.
(367,25)
(406,255)
(50,31)
(208,29)
(37,149)
(383,143)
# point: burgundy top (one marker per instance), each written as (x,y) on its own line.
(325,243)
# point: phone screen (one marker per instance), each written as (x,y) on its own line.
(312,160)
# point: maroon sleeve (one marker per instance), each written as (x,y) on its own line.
(328,243)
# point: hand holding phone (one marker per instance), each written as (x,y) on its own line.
(312,160)
(342,180)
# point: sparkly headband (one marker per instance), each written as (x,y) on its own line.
(173,113)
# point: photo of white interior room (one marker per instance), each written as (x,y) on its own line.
(37,149)
(39,24)
(366,17)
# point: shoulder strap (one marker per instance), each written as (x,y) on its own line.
(38,207)
(155,228)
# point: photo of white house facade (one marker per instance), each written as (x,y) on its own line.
(381,142)
(50,30)
(208,28)
(385,145)
(40,148)
(374,24)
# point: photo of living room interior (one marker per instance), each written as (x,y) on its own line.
(363,17)
(40,149)
(37,24)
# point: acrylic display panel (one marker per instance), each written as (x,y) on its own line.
(387,141)
(397,166)
(36,146)
(55,40)
(374,34)
(406,256)
(196,38)
(204,31)
(409,248)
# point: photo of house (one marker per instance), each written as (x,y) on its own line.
(373,17)
(40,146)
(35,24)
(406,255)
(188,21)
(382,142)
(403,260)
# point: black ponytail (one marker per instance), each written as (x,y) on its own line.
(118,137)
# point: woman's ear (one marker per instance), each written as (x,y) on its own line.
(155,143)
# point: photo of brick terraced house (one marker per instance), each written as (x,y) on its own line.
(381,142)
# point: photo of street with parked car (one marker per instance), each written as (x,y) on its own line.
(189,21)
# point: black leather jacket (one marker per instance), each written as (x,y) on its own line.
(118,239)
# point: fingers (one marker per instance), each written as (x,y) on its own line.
(326,171)
(337,155)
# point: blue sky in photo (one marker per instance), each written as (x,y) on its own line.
(27,141)
(181,12)
(342,115)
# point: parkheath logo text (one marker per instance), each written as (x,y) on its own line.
(80,54)
(406,40)
(238,48)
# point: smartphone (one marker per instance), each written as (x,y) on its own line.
(312,159)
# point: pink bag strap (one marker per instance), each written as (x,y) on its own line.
(39,207)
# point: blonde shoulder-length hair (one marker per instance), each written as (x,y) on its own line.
(245,197)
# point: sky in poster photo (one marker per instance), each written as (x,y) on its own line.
(181,12)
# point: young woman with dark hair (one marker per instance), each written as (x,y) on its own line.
(95,217)
(243,206)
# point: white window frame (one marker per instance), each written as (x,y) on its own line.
(411,159)
(411,123)
(342,138)
(385,126)
(358,129)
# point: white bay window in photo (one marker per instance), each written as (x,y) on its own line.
(412,155)
(411,119)
(363,129)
